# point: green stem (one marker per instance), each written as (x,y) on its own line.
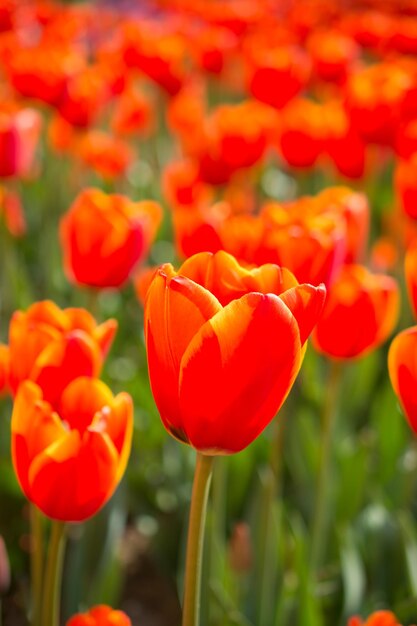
(37,564)
(53,575)
(324,473)
(267,575)
(195,540)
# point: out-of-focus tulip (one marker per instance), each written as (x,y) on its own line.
(310,242)
(224,346)
(4,368)
(355,209)
(360,313)
(11,210)
(182,185)
(406,140)
(235,137)
(105,236)
(83,97)
(384,255)
(332,54)
(405,184)
(410,267)
(19,134)
(51,347)
(302,133)
(133,114)
(69,462)
(41,72)
(101,615)
(379,618)
(402,367)
(375,96)
(109,156)
(157,54)
(278,74)
(342,142)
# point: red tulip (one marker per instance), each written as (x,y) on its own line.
(224,347)
(360,312)
(51,347)
(69,462)
(105,236)
(101,615)
(402,367)
(379,618)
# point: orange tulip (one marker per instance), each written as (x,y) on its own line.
(134,114)
(109,156)
(405,184)
(379,618)
(302,133)
(224,346)
(342,141)
(105,236)
(101,615)
(402,367)
(51,347)
(278,74)
(84,96)
(4,368)
(68,462)
(410,267)
(302,236)
(360,312)
(11,211)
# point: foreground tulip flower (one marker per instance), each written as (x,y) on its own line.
(379,618)
(105,236)
(101,615)
(52,346)
(224,347)
(360,312)
(69,462)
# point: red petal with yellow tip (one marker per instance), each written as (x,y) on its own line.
(34,427)
(402,367)
(119,427)
(305,303)
(87,467)
(81,400)
(175,310)
(237,371)
(224,277)
(72,355)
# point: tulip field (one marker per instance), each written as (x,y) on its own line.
(208,309)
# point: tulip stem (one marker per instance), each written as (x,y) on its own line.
(37,564)
(53,575)
(195,540)
(324,471)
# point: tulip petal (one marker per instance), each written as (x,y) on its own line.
(72,355)
(224,277)
(237,372)
(305,303)
(34,427)
(175,309)
(81,400)
(87,467)
(119,427)
(402,367)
